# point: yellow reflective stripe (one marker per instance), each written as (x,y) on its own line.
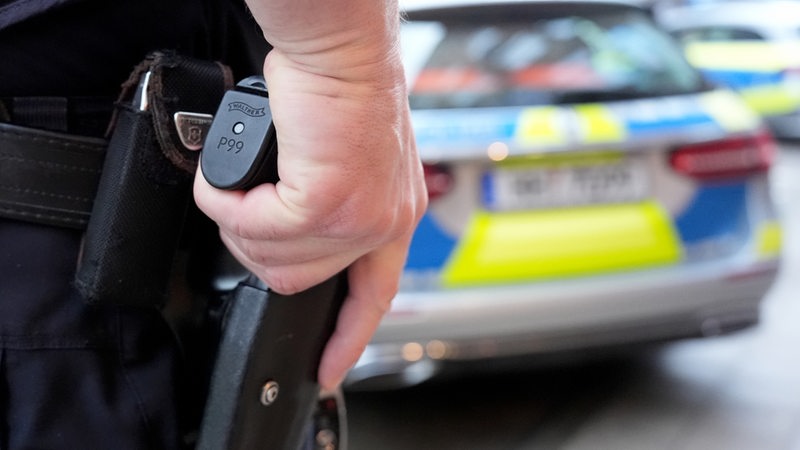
(573,159)
(521,246)
(772,99)
(541,126)
(599,124)
(729,111)
(769,238)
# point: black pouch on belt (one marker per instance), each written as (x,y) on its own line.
(146,182)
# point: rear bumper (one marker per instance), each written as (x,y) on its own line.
(424,330)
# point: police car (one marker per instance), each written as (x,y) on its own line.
(750,46)
(588,189)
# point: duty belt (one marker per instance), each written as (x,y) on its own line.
(48,177)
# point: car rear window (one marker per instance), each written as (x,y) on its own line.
(484,57)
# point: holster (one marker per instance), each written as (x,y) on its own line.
(145,186)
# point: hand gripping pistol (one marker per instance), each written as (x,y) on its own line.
(263,389)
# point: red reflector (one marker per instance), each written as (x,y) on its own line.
(727,158)
(438,180)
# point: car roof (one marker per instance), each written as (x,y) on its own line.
(418,5)
(764,14)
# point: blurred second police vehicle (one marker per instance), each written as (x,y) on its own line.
(587,189)
(751,46)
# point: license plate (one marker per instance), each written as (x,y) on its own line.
(516,188)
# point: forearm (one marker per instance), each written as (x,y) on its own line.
(343,39)
(335,65)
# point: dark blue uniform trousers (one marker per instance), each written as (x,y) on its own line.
(74,376)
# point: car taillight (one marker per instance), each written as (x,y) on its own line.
(438,180)
(727,158)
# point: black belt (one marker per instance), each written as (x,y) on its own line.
(48,177)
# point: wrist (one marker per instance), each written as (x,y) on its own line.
(349,40)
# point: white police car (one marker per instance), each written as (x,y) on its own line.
(588,189)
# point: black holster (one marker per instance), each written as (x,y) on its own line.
(145,185)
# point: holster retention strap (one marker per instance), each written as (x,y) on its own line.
(145,188)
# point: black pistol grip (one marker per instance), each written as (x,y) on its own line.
(264,387)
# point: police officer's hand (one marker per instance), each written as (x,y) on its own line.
(351,189)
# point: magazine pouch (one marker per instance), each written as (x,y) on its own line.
(145,186)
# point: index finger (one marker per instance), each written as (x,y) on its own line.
(257,213)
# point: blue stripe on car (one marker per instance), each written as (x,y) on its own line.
(739,79)
(430,246)
(716,210)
